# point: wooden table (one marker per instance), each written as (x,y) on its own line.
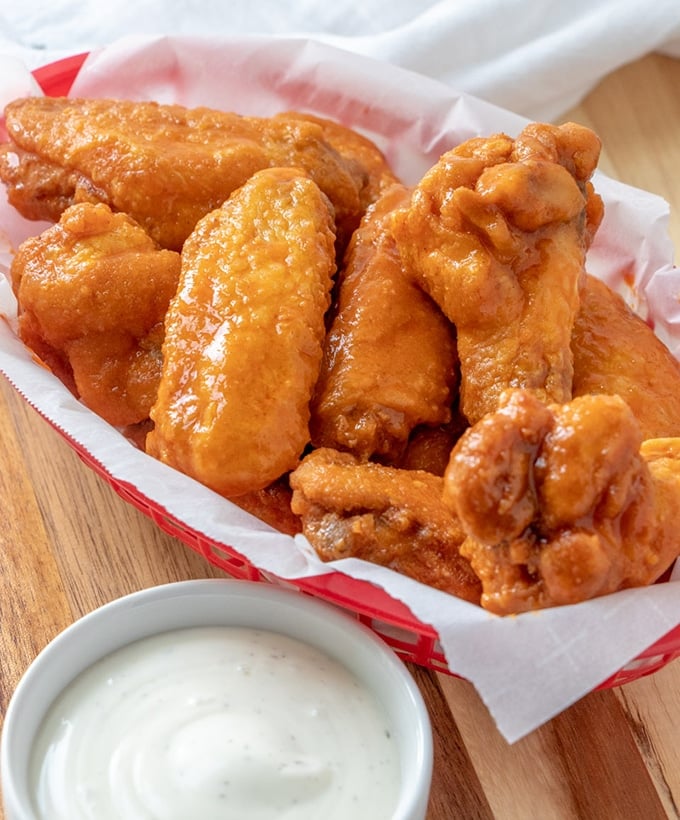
(68,544)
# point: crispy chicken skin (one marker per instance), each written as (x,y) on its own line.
(272,505)
(92,293)
(497,233)
(135,155)
(389,357)
(429,447)
(244,335)
(382,514)
(616,352)
(369,160)
(563,502)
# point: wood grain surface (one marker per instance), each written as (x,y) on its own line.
(68,544)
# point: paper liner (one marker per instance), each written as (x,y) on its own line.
(527,668)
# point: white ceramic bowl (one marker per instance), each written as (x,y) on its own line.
(217,603)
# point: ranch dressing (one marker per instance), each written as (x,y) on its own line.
(215,723)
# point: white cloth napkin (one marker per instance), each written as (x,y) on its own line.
(533,57)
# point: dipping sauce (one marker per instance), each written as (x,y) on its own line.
(215,723)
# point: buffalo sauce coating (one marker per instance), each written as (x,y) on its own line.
(92,292)
(563,502)
(390,359)
(244,335)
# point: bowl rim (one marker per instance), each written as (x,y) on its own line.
(247,603)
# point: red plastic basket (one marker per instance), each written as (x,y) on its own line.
(413,640)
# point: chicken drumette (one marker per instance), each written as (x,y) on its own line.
(497,233)
(390,359)
(561,503)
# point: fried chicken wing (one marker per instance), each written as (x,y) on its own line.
(497,233)
(381,514)
(92,293)
(563,502)
(616,352)
(390,360)
(244,335)
(164,165)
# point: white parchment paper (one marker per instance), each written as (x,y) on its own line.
(526,668)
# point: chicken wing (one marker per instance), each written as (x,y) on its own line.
(164,165)
(616,352)
(381,514)
(390,360)
(244,335)
(92,293)
(497,233)
(563,502)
